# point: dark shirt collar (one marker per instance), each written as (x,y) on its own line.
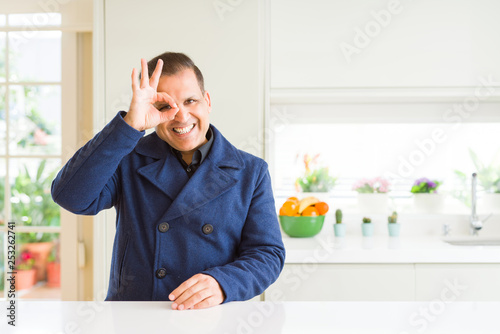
(200,154)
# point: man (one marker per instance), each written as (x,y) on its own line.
(196,221)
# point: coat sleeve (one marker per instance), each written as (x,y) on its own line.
(88,182)
(261,253)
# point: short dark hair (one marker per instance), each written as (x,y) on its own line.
(173,63)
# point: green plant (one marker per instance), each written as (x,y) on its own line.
(314,180)
(33,203)
(393,219)
(488,176)
(425,186)
(366,220)
(54,253)
(338,216)
(370,186)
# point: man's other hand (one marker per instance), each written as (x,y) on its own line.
(148,107)
(200,291)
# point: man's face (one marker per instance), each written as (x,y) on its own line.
(186,132)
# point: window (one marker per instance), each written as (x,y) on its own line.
(30,150)
(400,151)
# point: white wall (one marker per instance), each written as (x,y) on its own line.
(223,42)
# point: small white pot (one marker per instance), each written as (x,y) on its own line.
(428,203)
(373,203)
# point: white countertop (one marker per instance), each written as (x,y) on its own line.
(326,248)
(254,317)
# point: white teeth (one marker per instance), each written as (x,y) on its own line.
(183,130)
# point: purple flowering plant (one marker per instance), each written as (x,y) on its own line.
(425,186)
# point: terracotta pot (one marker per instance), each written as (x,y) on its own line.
(40,251)
(53,274)
(25,279)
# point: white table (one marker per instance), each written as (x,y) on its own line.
(255,317)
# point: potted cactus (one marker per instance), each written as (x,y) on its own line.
(339,227)
(367,227)
(393,225)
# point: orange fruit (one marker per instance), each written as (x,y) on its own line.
(289,209)
(293,199)
(310,211)
(322,208)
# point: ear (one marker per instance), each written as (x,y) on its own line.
(206,96)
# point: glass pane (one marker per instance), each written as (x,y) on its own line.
(31,201)
(2,20)
(35,119)
(35,56)
(35,19)
(38,266)
(3,128)
(2,191)
(2,269)
(2,56)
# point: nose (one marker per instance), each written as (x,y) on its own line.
(182,115)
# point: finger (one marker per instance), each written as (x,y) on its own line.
(144,73)
(165,98)
(155,78)
(183,287)
(207,302)
(135,80)
(195,298)
(191,292)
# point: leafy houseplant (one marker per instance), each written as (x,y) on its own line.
(393,225)
(339,227)
(425,196)
(33,206)
(315,180)
(488,177)
(367,227)
(372,194)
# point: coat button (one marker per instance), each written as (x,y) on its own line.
(207,228)
(160,273)
(163,227)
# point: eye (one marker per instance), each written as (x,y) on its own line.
(166,107)
(190,101)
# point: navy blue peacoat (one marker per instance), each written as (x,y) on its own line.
(221,222)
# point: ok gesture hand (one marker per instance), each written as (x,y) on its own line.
(143,113)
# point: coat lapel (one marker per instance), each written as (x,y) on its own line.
(213,178)
(165,173)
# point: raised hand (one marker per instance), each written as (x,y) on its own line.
(149,107)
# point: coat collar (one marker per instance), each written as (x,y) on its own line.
(214,176)
(222,153)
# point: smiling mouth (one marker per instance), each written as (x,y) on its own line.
(183,130)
